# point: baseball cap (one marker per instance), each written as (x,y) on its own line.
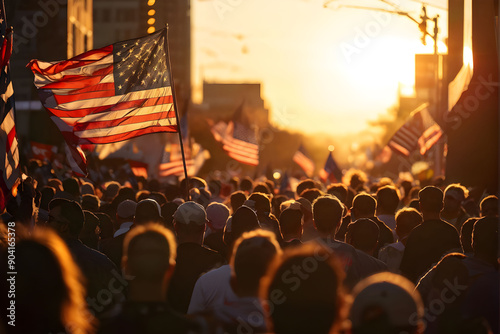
(385,300)
(190,212)
(217,215)
(126,209)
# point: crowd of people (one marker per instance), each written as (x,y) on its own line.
(243,256)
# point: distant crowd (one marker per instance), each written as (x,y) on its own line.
(248,256)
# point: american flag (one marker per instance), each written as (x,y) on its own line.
(10,165)
(172,160)
(302,159)
(419,132)
(331,170)
(238,138)
(110,94)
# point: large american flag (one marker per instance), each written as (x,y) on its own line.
(10,156)
(111,94)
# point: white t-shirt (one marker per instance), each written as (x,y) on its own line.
(211,290)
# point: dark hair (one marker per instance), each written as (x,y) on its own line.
(290,221)
(406,220)
(431,199)
(309,305)
(47,194)
(305,184)
(237,199)
(88,235)
(363,234)
(244,220)
(387,199)
(261,187)
(90,202)
(262,203)
(327,213)
(252,254)
(364,204)
(246,184)
(338,190)
(71,186)
(489,206)
(311,194)
(72,213)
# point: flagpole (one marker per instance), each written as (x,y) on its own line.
(186,178)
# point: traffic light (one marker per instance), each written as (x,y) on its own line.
(151,16)
(423,24)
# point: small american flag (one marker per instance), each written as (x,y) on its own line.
(302,159)
(238,138)
(331,170)
(110,94)
(10,157)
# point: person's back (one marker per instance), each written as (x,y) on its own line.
(406,220)
(431,240)
(66,217)
(149,257)
(49,294)
(193,259)
(327,214)
(213,289)
(302,299)
(364,206)
(253,253)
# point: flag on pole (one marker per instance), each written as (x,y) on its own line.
(10,165)
(239,139)
(171,163)
(331,171)
(301,158)
(419,132)
(111,94)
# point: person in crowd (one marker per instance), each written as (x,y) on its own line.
(91,231)
(149,260)
(303,291)
(453,212)
(304,185)
(193,259)
(146,211)
(217,215)
(213,288)
(49,294)
(291,225)
(467,285)
(363,235)
(237,199)
(386,303)
(124,217)
(246,185)
(90,203)
(364,206)
(262,208)
(167,212)
(66,217)
(311,194)
(406,220)
(72,188)
(387,204)
(489,206)
(253,252)
(262,187)
(431,240)
(338,190)
(466,235)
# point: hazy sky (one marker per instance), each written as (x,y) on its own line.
(322,69)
